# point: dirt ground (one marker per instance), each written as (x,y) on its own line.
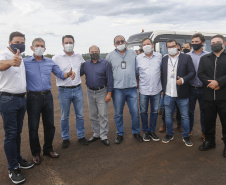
(131,162)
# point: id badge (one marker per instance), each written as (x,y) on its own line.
(123,65)
(172,74)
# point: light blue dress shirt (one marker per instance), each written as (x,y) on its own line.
(196,59)
(123,78)
(149,71)
(38,73)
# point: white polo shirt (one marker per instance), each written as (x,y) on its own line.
(65,63)
(12,80)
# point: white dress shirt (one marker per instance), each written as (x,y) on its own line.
(65,63)
(171,86)
(149,71)
(12,80)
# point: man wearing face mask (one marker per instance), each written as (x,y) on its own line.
(176,72)
(99,82)
(186,47)
(13,104)
(211,72)
(70,91)
(123,62)
(39,98)
(198,41)
(148,69)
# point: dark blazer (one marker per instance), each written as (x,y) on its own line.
(209,66)
(185,69)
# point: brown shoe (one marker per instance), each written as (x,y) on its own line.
(190,133)
(203,137)
(52,154)
(37,159)
(159,112)
(179,128)
(162,128)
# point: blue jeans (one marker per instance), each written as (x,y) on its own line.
(196,94)
(120,96)
(38,104)
(161,104)
(12,110)
(144,102)
(183,105)
(66,96)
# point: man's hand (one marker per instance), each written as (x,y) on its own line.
(213,84)
(108,97)
(16,61)
(71,74)
(179,81)
(217,88)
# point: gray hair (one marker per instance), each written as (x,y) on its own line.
(39,40)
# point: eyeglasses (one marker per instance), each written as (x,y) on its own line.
(120,41)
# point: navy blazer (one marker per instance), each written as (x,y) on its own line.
(185,70)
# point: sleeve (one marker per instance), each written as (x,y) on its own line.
(201,72)
(2,57)
(191,70)
(109,75)
(57,71)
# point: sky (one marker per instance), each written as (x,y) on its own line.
(97,22)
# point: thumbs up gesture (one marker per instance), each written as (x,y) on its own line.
(16,61)
(179,81)
(71,74)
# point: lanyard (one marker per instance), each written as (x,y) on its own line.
(174,63)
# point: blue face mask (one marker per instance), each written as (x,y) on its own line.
(21,47)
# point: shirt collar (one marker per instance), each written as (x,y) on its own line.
(99,60)
(64,54)
(143,55)
(43,58)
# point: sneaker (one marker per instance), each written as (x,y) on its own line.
(167,138)
(15,176)
(187,141)
(83,141)
(25,165)
(146,137)
(153,136)
(65,143)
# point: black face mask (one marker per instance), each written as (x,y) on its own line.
(95,56)
(186,50)
(21,47)
(216,47)
(197,46)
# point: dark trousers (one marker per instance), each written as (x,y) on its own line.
(196,94)
(40,104)
(12,110)
(211,109)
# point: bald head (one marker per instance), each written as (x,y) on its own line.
(94,49)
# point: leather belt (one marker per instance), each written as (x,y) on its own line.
(196,87)
(97,88)
(39,93)
(70,87)
(10,94)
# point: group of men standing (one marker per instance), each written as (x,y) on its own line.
(182,78)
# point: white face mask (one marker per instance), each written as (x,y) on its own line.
(172,51)
(147,49)
(68,48)
(121,47)
(39,51)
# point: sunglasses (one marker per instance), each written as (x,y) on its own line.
(120,41)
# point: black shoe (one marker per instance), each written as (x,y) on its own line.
(15,176)
(187,141)
(224,152)
(153,136)
(83,141)
(207,145)
(167,138)
(25,165)
(138,137)
(106,142)
(65,143)
(92,139)
(119,139)
(146,137)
